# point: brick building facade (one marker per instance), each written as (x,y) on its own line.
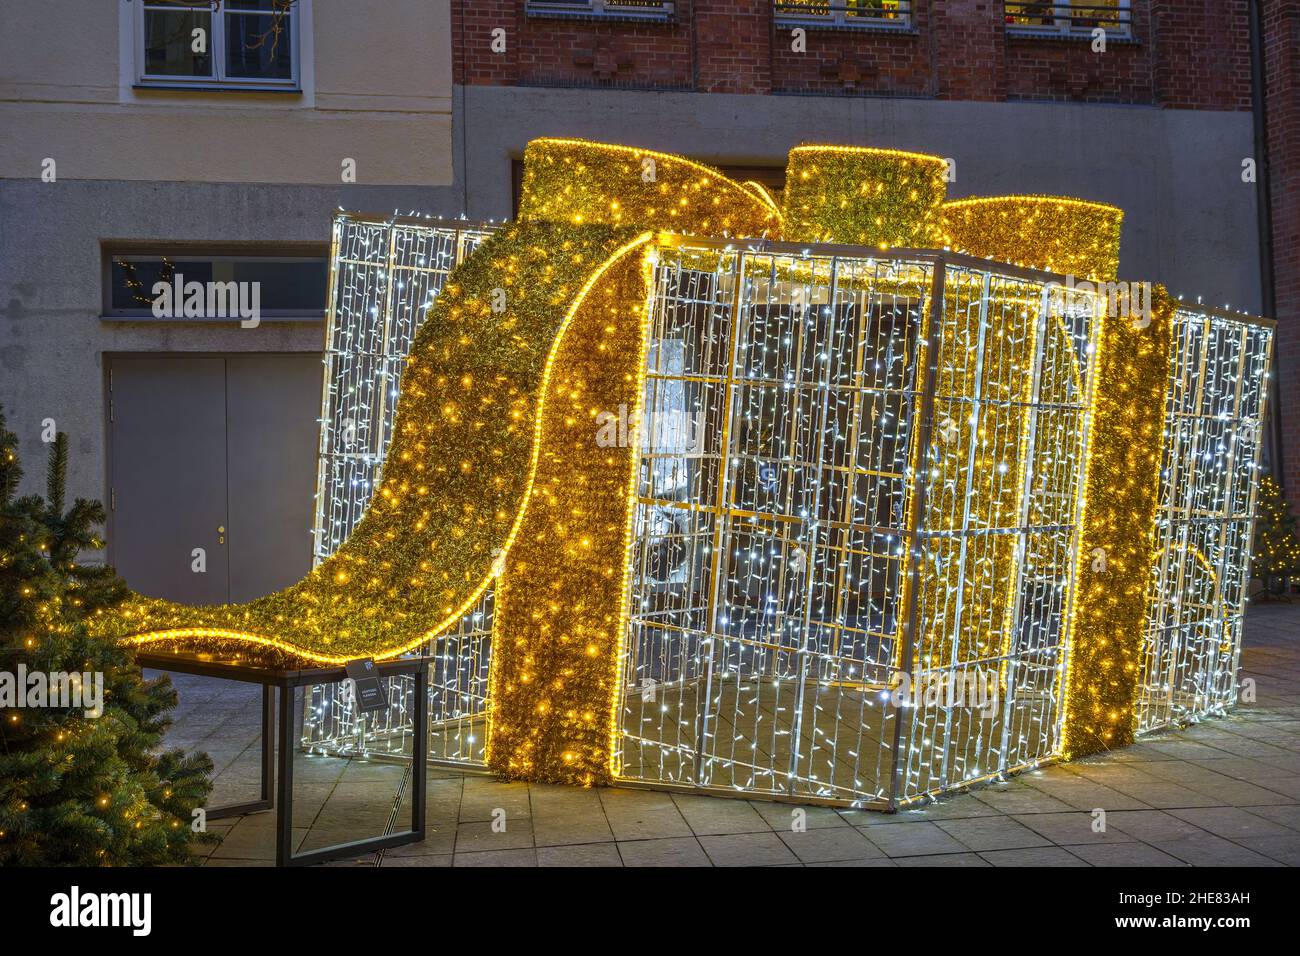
(1281,58)
(1181,54)
(1189,56)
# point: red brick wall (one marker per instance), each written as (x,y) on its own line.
(1070,70)
(552,51)
(1202,53)
(1187,54)
(967,60)
(879,62)
(732,52)
(1282,81)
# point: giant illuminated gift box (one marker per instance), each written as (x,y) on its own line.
(688,488)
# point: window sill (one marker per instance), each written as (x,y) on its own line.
(902,29)
(218,88)
(148,319)
(637,18)
(1080,36)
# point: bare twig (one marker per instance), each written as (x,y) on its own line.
(279,10)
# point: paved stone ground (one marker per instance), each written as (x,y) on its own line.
(1224,792)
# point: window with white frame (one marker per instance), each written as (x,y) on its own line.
(1069,17)
(612,9)
(843,13)
(241,44)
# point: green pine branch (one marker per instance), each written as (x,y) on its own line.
(78,790)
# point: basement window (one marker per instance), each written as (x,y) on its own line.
(604,9)
(852,14)
(1069,18)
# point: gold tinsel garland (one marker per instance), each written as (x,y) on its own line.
(1068,236)
(456,479)
(576,181)
(859,196)
(559,611)
(1116,548)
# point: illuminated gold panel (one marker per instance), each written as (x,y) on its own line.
(985,373)
(1051,233)
(1116,547)
(865,197)
(1068,236)
(576,181)
(465,446)
(560,603)
(1108,606)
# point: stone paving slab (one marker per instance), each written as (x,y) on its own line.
(1225,791)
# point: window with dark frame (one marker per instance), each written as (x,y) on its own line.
(1068,17)
(843,13)
(292,281)
(612,9)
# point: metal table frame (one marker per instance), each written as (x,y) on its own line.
(287,680)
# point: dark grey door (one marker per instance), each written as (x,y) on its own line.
(217,453)
(168,451)
(272,438)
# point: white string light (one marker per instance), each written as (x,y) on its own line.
(784,396)
(384,278)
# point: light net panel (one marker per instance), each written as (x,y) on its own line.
(384,277)
(765,615)
(458,684)
(1001,492)
(783,535)
(1214,421)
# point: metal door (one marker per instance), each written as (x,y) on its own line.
(213,467)
(167,441)
(272,404)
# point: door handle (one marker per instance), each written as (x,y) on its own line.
(221,534)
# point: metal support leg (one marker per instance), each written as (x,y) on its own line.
(420,751)
(419,770)
(268,745)
(284,808)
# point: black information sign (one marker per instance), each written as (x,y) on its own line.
(370,688)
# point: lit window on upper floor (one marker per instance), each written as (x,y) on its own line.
(1070,18)
(843,13)
(239,44)
(607,9)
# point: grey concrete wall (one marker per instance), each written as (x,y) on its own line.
(52,340)
(1190,220)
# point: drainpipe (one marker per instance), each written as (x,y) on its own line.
(1264,220)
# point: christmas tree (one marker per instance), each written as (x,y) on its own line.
(82,779)
(1276,556)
